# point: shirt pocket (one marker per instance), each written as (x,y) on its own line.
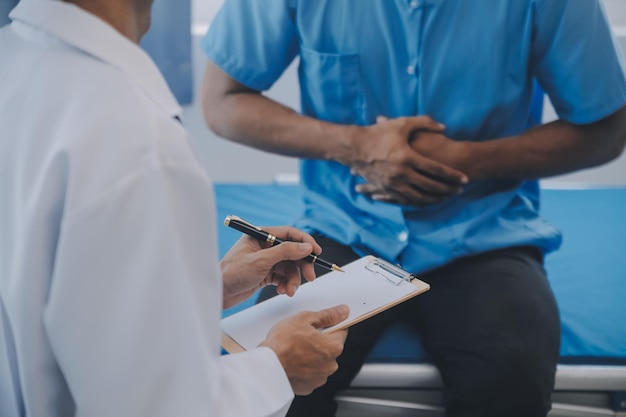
(330,86)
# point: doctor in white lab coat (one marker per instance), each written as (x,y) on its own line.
(110,289)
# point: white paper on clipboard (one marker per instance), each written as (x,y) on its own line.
(368,286)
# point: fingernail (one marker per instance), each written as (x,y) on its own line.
(304,246)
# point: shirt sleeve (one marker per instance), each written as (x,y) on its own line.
(253,41)
(577,61)
(134,307)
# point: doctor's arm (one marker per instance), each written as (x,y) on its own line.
(379,153)
(307,355)
(135,306)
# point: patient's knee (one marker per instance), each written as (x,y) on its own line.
(500,382)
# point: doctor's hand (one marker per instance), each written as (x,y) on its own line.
(398,173)
(308,355)
(250,264)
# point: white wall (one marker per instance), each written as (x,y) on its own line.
(226,161)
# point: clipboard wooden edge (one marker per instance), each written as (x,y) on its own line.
(231,346)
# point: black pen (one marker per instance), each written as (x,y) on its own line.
(243,226)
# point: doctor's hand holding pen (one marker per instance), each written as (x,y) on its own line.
(307,355)
(246,268)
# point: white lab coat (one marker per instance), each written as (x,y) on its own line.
(110,291)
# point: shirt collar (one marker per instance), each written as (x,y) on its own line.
(81,29)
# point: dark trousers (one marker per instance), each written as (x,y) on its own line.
(490,323)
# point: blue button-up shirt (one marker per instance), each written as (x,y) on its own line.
(468,64)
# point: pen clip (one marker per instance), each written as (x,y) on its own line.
(391,273)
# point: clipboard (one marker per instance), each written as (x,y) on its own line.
(368,286)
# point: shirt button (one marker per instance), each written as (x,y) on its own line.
(403,236)
(414,4)
(410,70)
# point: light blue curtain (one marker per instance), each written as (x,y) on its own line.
(169,43)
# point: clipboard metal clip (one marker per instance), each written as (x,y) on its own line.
(391,273)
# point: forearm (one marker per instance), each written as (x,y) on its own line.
(235,112)
(552,149)
(380,153)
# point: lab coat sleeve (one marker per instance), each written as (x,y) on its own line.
(250,371)
(133,313)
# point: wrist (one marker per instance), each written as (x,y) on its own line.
(346,149)
(470,160)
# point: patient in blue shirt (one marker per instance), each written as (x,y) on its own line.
(418,145)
